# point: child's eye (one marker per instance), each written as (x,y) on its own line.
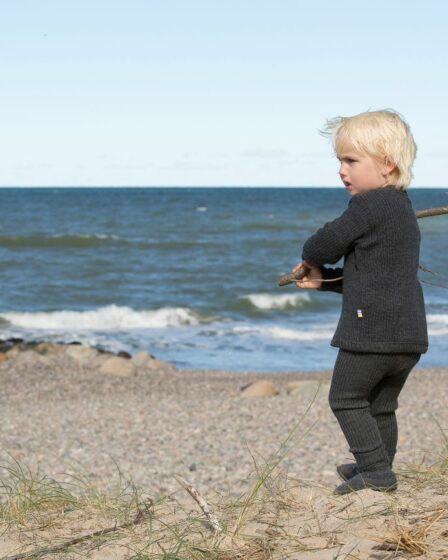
(348,159)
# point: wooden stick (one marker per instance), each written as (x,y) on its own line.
(292,278)
(431,212)
(200,501)
(37,552)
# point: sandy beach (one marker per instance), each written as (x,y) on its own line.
(61,414)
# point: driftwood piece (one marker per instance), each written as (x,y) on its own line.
(44,551)
(431,212)
(292,278)
(213,520)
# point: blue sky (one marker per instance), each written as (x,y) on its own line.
(150,93)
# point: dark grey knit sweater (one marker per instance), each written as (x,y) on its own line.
(383,309)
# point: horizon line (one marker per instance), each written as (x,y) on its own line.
(196,187)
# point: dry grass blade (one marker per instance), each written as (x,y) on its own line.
(278,516)
(272,463)
(80,539)
(411,539)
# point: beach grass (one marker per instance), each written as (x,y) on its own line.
(276,516)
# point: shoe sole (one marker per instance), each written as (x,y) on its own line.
(392,488)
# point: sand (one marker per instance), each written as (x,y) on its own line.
(60,416)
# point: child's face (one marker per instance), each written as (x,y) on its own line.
(359,172)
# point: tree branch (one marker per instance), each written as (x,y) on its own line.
(292,278)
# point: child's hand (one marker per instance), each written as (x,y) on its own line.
(310,280)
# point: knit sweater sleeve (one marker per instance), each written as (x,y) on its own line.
(334,239)
(328,273)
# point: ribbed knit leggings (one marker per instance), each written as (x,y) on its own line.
(364,396)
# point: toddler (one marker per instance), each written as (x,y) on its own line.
(382,329)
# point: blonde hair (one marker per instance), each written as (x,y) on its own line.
(383,135)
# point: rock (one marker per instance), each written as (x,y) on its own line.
(124,354)
(141,358)
(27,357)
(3,356)
(159,365)
(14,352)
(101,349)
(48,348)
(82,354)
(121,367)
(145,360)
(99,359)
(5,346)
(259,389)
(307,387)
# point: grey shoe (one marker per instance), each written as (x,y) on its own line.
(347,470)
(382,480)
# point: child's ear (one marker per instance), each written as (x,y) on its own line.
(389,165)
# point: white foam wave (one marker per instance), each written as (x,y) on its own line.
(437,324)
(437,318)
(87,235)
(267,301)
(288,334)
(111,317)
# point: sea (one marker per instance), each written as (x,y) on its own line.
(189,274)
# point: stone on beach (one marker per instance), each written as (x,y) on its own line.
(81,354)
(121,367)
(28,358)
(94,358)
(141,358)
(307,387)
(260,389)
(145,360)
(13,352)
(98,360)
(48,348)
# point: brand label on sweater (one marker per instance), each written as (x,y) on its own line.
(359,313)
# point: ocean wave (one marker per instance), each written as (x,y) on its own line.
(437,324)
(285,333)
(437,318)
(111,317)
(89,235)
(56,240)
(267,301)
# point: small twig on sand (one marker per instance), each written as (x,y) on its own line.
(200,501)
(37,552)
